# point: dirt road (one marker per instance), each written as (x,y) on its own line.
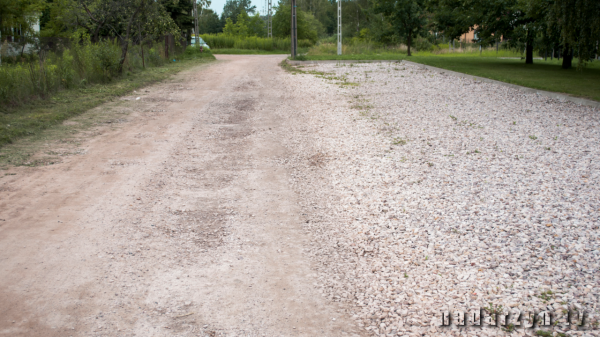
(179,221)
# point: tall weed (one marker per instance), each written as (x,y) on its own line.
(82,64)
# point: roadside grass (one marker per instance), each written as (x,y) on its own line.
(358,50)
(222,41)
(340,80)
(25,127)
(506,66)
(233,51)
(326,49)
(544,75)
(358,57)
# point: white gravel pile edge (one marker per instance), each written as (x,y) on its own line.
(428,192)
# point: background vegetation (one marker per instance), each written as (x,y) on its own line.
(86,52)
(566,29)
(73,85)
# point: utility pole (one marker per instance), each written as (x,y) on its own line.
(294,30)
(196,22)
(269,21)
(339,28)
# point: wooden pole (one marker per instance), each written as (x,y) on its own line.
(339,27)
(294,31)
(196,32)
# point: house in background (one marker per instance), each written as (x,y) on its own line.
(468,37)
(20,40)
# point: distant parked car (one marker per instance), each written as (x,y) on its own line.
(201,42)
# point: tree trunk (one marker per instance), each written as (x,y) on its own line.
(141,46)
(408,42)
(357,21)
(95,34)
(567,57)
(143,61)
(125,41)
(529,49)
(124,48)
(167,46)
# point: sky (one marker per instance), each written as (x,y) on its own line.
(217,5)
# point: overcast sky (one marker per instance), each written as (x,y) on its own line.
(217,5)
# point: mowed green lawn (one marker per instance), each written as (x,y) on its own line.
(544,75)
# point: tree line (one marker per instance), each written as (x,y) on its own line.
(563,28)
(567,28)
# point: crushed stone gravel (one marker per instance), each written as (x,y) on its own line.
(428,193)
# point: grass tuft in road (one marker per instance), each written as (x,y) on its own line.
(340,80)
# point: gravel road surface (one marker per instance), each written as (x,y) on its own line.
(346,200)
(437,193)
(177,222)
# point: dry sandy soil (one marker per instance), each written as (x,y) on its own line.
(177,222)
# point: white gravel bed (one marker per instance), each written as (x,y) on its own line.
(427,192)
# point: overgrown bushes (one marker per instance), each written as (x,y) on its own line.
(79,65)
(222,41)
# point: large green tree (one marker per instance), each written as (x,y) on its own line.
(406,16)
(324,12)
(209,22)
(126,20)
(181,13)
(517,21)
(579,24)
(282,23)
(233,8)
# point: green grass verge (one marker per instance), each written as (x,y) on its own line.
(357,57)
(544,75)
(29,120)
(248,51)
